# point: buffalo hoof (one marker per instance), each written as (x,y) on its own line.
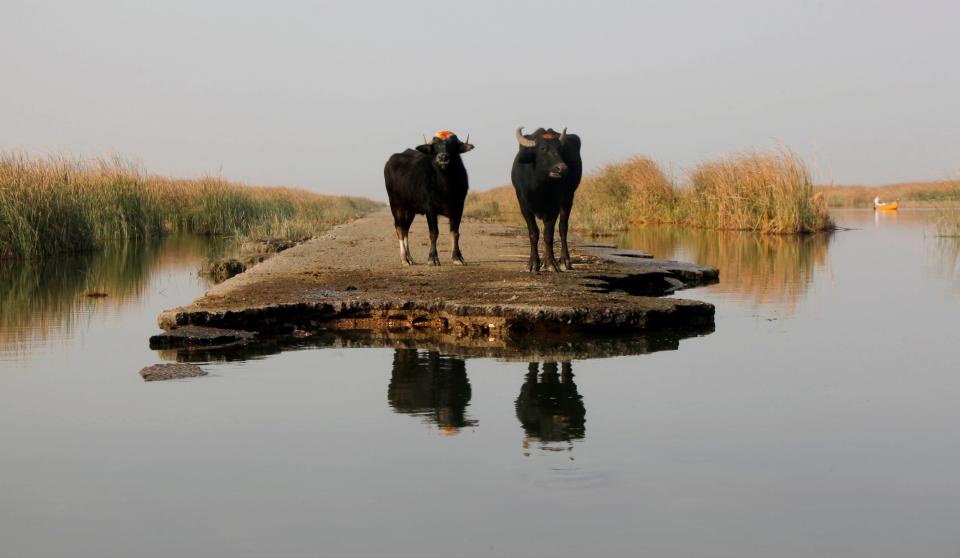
(459,260)
(434,260)
(552,266)
(406,262)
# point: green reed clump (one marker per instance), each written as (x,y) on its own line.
(57,205)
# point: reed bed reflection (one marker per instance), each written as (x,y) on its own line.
(765,269)
(44,299)
(944,260)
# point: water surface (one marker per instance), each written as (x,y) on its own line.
(818,419)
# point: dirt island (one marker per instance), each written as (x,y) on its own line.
(351,280)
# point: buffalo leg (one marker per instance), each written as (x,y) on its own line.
(401,238)
(551,261)
(402,224)
(434,234)
(564,250)
(533,264)
(455,234)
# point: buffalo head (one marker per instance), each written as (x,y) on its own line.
(444,147)
(544,150)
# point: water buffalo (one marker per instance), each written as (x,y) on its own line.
(545,174)
(429,180)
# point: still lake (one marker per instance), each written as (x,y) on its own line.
(820,418)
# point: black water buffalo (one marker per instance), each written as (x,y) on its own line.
(546,173)
(429,180)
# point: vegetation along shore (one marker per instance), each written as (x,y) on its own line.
(948,222)
(942,195)
(938,193)
(56,205)
(766,191)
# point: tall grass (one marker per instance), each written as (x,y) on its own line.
(634,191)
(770,191)
(617,195)
(57,205)
(495,204)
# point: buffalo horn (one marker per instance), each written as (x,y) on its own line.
(524,141)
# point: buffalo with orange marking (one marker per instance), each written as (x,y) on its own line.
(429,180)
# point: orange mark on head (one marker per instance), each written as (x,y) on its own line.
(550,136)
(444,134)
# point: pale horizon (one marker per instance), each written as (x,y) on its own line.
(319,95)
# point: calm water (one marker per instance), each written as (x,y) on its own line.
(819,419)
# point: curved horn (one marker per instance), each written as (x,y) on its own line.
(563,135)
(468,138)
(524,141)
(425,142)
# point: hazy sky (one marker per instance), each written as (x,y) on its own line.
(319,94)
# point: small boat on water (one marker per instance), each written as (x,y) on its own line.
(885,206)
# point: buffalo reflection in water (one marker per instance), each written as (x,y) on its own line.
(435,387)
(432,386)
(549,406)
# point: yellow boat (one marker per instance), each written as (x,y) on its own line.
(888,206)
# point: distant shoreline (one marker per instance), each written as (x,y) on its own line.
(932,194)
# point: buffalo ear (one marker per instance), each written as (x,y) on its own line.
(464,147)
(527,155)
(425,148)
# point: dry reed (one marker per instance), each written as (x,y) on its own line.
(771,192)
(57,205)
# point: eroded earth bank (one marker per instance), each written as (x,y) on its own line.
(348,288)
